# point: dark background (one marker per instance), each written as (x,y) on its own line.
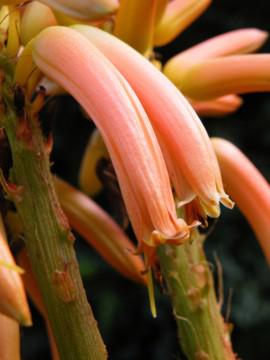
(121,307)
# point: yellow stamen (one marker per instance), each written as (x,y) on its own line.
(151,293)
(13,267)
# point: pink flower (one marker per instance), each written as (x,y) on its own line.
(235,42)
(68,58)
(184,141)
(248,188)
(179,14)
(13,301)
(227,75)
(99,229)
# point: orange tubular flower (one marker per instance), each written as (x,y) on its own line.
(161,7)
(93,153)
(248,188)
(231,43)
(222,76)
(9,339)
(134,23)
(218,107)
(183,138)
(79,9)
(69,59)
(13,301)
(35,18)
(98,228)
(33,291)
(178,15)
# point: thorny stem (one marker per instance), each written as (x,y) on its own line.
(48,238)
(202,331)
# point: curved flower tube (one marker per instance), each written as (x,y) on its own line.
(248,188)
(218,107)
(178,15)
(234,42)
(134,23)
(68,58)
(26,73)
(79,9)
(36,17)
(13,38)
(98,228)
(4,24)
(237,74)
(13,301)
(179,130)
(9,339)
(161,7)
(84,9)
(95,151)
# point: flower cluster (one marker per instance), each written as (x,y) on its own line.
(147,114)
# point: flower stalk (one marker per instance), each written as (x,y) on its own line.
(48,238)
(202,332)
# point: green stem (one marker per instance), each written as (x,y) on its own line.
(48,238)
(202,332)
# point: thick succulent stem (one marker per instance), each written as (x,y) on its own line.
(202,331)
(48,238)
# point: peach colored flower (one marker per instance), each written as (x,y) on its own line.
(134,23)
(79,9)
(178,15)
(186,146)
(69,59)
(248,188)
(13,301)
(235,42)
(227,75)
(9,339)
(36,17)
(98,228)
(221,106)
(33,291)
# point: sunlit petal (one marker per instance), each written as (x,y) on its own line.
(232,74)
(178,15)
(231,43)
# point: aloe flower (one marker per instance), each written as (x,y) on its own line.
(90,221)
(184,141)
(13,39)
(80,9)
(34,293)
(220,66)
(222,76)
(69,59)
(13,301)
(9,339)
(247,187)
(134,23)
(35,17)
(235,42)
(4,23)
(178,15)
(221,106)
(95,151)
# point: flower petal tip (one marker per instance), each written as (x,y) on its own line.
(226,201)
